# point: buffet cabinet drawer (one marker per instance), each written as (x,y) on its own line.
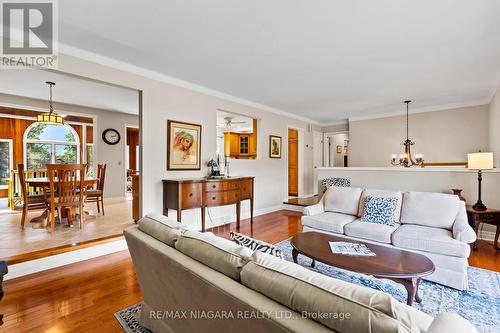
(232,185)
(214,198)
(232,197)
(214,186)
(191,195)
(246,189)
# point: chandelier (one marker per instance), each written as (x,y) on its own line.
(406,160)
(50,117)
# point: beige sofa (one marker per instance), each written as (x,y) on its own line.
(198,282)
(433,224)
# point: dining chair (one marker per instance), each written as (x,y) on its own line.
(66,190)
(29,200)
(96,195)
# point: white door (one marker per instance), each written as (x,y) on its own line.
(317,157)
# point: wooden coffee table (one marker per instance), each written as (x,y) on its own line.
(398,265)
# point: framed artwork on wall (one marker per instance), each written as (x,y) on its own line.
(274,146)
(183,146)
(339,149)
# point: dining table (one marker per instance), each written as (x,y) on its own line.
(44,183)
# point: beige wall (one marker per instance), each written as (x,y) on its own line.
(495,126)
(112,155)
(442,136)
(162,101)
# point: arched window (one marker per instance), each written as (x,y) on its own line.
(45,143)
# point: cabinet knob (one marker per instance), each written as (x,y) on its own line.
(213,198)
(190,194)
(214,186)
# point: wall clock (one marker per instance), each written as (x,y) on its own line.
(111,136)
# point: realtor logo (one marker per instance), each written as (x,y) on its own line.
(29,32)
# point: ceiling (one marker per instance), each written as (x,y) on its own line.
(69,89)
(326,60)
(238,123)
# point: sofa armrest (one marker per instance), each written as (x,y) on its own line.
(462,231)
(315,209)
(451,322)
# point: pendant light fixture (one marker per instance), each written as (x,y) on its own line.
(50,117)
(406,159)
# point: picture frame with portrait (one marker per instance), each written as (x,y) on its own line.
(274,146)
(183,146)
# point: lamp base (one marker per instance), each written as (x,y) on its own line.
(479,206)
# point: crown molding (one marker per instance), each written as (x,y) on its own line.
(147,73)
(434,108)
(338,122)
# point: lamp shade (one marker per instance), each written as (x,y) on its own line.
(480,161)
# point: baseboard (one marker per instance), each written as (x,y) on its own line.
(38,265)
(486,235)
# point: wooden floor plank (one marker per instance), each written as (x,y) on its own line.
(83,297)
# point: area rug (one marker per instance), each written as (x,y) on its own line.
(480,304)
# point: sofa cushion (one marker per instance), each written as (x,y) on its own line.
(428,239)
(328,221)
(380,210)
(218,253)
(372,231)
(159,227)
(437,210)
(383,194)
(342,200)
(255,244)
(311,293)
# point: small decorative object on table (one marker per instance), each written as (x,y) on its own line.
(458,191)
(480,161)
(489,216)
(212,164)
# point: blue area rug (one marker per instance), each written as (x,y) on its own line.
(480,304)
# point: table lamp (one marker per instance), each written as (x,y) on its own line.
(479,161)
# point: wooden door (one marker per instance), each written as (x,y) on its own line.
(293,162)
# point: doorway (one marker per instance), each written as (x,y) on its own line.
(336,149)
(293,162)
(131,158)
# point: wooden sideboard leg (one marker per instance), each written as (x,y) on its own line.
(238,211)
(203,219)
(251,210)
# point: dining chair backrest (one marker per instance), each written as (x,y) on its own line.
(22,181)
(66,182)
(101,175)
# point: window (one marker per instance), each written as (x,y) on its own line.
(50,144)
(5,161)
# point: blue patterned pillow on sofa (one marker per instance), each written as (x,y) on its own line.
(380,210)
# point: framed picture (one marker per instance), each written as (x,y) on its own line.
(274,146)
(183,146)
(339,149)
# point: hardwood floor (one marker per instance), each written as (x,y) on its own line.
(83,297)
(21,245)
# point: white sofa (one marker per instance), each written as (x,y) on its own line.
(433,224)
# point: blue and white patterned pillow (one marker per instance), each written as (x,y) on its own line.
(380,210)
(256,245)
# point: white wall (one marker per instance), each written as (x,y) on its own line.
(442,136)
(162,101)
(112,155)
(495,126)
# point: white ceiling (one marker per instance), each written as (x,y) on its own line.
(239,123)
(326,60)
(69,89)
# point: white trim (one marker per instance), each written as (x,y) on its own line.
(401,169)
(435,108)
(337,122)
(130,68)
(125,160)
(38,265)
(11,159)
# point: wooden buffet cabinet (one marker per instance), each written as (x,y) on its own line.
(181,194)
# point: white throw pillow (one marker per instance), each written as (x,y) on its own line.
(343,200)
(438,210)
